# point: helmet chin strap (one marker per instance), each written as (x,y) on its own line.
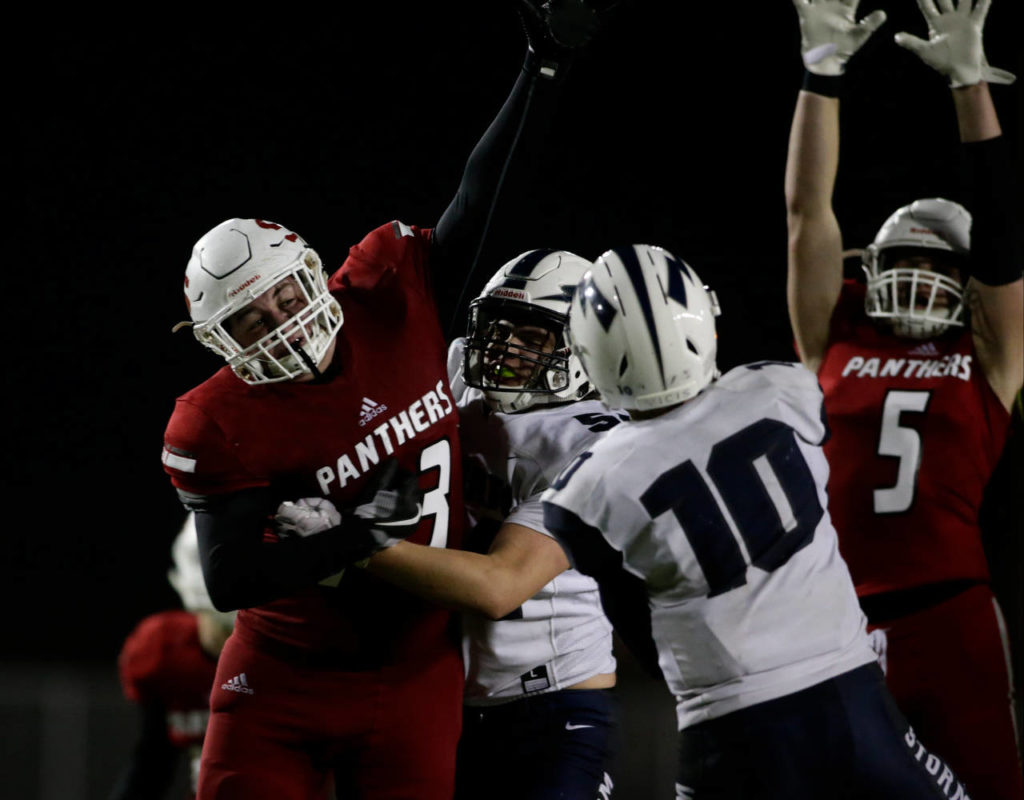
(318,376)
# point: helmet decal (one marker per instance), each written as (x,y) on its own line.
(592,297)
(643,326)
(631,261)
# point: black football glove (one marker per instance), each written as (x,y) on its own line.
(388,512)
(558,24)
(393,508)
(555,29)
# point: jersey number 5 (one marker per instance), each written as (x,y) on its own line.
(898,441)
(764,483)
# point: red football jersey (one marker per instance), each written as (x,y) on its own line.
(162,663)
(389,399)
(916,433)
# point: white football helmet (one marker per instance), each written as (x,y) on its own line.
(235,263)
(643,325)
(186,576)
(516,349)
(918,303)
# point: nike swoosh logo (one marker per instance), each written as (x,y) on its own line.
(570,727)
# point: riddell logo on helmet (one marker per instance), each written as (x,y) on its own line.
(923,230)
(515,294)
(249,282)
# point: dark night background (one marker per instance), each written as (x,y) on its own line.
(133,139)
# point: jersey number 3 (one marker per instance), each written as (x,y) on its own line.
(764,483)
(435,502)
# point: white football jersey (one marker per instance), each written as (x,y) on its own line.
(720,506)
(560,636)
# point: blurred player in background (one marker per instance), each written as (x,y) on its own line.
(337,389)
(167,667)
(712,501)
(919,368)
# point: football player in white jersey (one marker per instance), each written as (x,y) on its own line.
(713,497)
(539,717)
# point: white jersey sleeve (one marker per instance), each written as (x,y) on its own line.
(720,506)
(560,636)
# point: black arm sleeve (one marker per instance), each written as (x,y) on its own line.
(241,570)
(623,595)
(995,243)
(500,164)
(150,772)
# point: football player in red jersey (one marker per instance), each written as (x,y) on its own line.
(334,386)
(166,666)
(919,368)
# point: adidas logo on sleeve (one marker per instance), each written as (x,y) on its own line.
(237,684)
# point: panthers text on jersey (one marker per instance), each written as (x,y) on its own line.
(163,665)
(916,432)
(388,398)
(719,505)
(560,636)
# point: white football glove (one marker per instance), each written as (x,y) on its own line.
(879,642)
(456,354)
(830,34)
(306,516)
(954,47)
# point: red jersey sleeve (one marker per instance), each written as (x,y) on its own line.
(199,457)
(390,254)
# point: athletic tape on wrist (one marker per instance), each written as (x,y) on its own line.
(826,85)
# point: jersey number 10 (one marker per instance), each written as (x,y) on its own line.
(766,486)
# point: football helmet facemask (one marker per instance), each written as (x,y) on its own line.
(643,325)
(919,302)
(516,349)
(236,263)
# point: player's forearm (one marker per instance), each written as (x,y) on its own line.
(813,157)
(455,579)
(975,113)
(242,570)
(815,242)
(500,164)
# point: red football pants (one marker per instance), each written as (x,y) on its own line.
(278,730)
(948,669)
